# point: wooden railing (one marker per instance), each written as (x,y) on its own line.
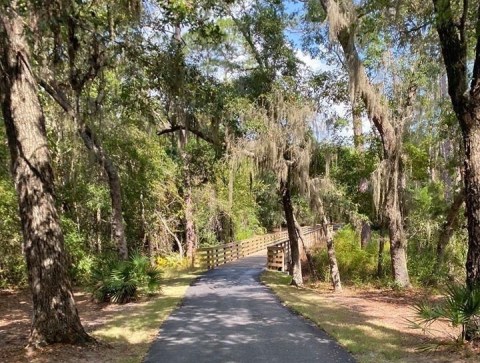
(211,257)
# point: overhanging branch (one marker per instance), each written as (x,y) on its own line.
(57,94)
(194,131)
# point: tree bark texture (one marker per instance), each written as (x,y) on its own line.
(472,188)
(453,35)
(308,255)
(332,258)
(394,220)
(391,136)
(365,234)
(55,317)
(296,265)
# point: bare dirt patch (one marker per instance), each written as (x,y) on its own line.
(392,309)
(15,318)
(123,332)
(375,325)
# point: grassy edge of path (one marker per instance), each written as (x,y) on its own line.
(133,330)
(366,340)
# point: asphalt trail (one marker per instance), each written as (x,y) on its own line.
(228,316)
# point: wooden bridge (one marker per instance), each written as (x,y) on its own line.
(277,244)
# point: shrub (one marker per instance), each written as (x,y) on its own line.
(461,307)
(12,263)
(355,265)
(172,261)
(122,281)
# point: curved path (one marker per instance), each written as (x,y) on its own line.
(228,316)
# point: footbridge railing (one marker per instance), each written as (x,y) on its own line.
(211,257)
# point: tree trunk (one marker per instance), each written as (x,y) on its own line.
(118,225)
(448,228)
(169,231)
(394,219)
(190,236)
(231,181)
(332,258)
(295,266)
(472,190)
(311,265)
(454,40)
(98,247)
(55,317)
(365,234)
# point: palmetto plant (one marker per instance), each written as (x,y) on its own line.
(461,307)
(121,281)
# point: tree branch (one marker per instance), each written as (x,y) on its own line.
(57,94)
(248,38)
(374,101)
(194,131)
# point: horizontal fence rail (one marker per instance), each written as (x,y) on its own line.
(211,257)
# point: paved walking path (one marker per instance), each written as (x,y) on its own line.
(228,316)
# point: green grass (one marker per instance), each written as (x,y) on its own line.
(134,327)
(365,338)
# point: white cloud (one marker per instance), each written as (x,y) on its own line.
(311,64)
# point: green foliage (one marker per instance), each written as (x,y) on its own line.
(172,262)
(303,212)
(270,210)
(461,307)
(80,260)
(427,212)
(120,282)
(12,263)
(216,221)
(356,265)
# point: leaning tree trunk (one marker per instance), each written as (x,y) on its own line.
(296,265)
(93,144)
(114,184)
(308,255)
(55,317)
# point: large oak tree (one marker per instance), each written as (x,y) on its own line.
(55,317)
